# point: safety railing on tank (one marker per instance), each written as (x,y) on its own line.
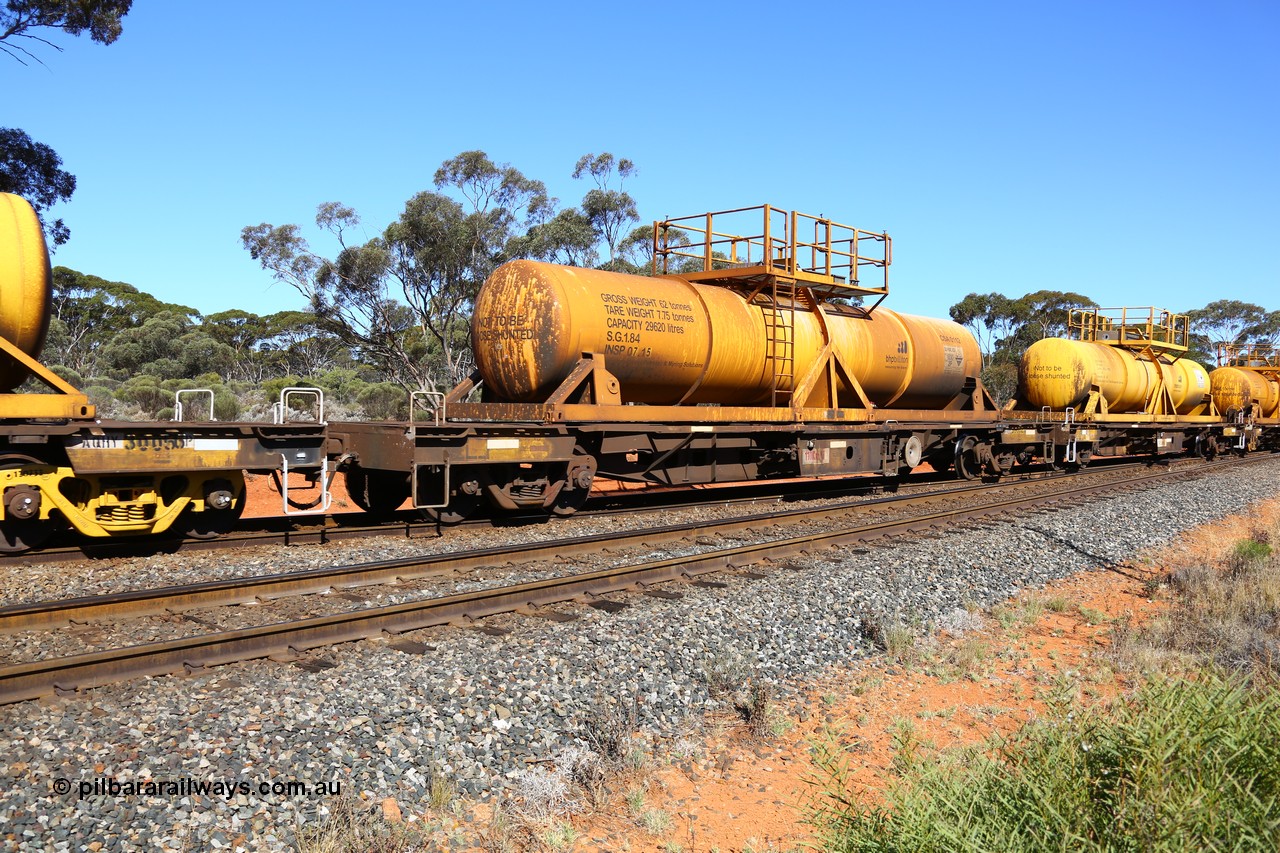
(1132,328)
(1264,358)
(824,255)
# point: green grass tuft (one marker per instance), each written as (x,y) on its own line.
(1187,765)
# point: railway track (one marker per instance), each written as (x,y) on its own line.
(410,525)
(283,531)
(263,588)
(286,640)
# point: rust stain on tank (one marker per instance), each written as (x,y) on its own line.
(1058,373)
(669,341)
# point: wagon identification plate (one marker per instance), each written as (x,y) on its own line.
(154,444)
(176,451)
(527,448)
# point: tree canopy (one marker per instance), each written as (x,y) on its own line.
(1230,321)
(1005,326)
(608,211)
(403,299)
(22,23)
(131,351)
(28,168)
(34,171)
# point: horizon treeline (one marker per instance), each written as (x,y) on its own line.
(391,314)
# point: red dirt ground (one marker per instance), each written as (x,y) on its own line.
(736,794)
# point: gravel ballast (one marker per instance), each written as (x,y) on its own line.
(479,708)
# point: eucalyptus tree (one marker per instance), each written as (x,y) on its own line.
(635,252)
(442,250)
(1230,321)
(1047,311)
(350,294)
(1005,327)
(992,317)
(243,334)
(34,171)
(1267,330)
(28,168)
(610,211)
(23,23)
(91,312)
(150,348)
(298,343)
(403,299)
(567,238)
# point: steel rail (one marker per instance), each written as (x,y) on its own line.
(278,530)
(287,640)
(257,589)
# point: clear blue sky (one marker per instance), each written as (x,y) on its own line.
(1125,150)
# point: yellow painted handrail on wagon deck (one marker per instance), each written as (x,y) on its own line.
(748,242)
(1131,328)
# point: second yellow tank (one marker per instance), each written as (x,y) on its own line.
(1235,388)
(1058,373)
(670,341)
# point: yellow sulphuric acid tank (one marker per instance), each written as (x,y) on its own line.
(1058,373)
(670,341)
(1234,388)
(25,289)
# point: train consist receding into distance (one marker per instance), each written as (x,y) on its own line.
(758,349)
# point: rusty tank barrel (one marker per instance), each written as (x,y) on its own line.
(1058,373)
(670,341)
(1234,388)
(25,286)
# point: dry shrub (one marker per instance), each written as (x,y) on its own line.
(354,826)
(757,709)
(1227,617)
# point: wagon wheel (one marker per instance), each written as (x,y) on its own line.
(968,465)
(22,528)
(378,493)
(459,508)
(577,488)
(224,504)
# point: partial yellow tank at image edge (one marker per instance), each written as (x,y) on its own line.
(1058,373)
(25,286)
(1233,388)
(670,341)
